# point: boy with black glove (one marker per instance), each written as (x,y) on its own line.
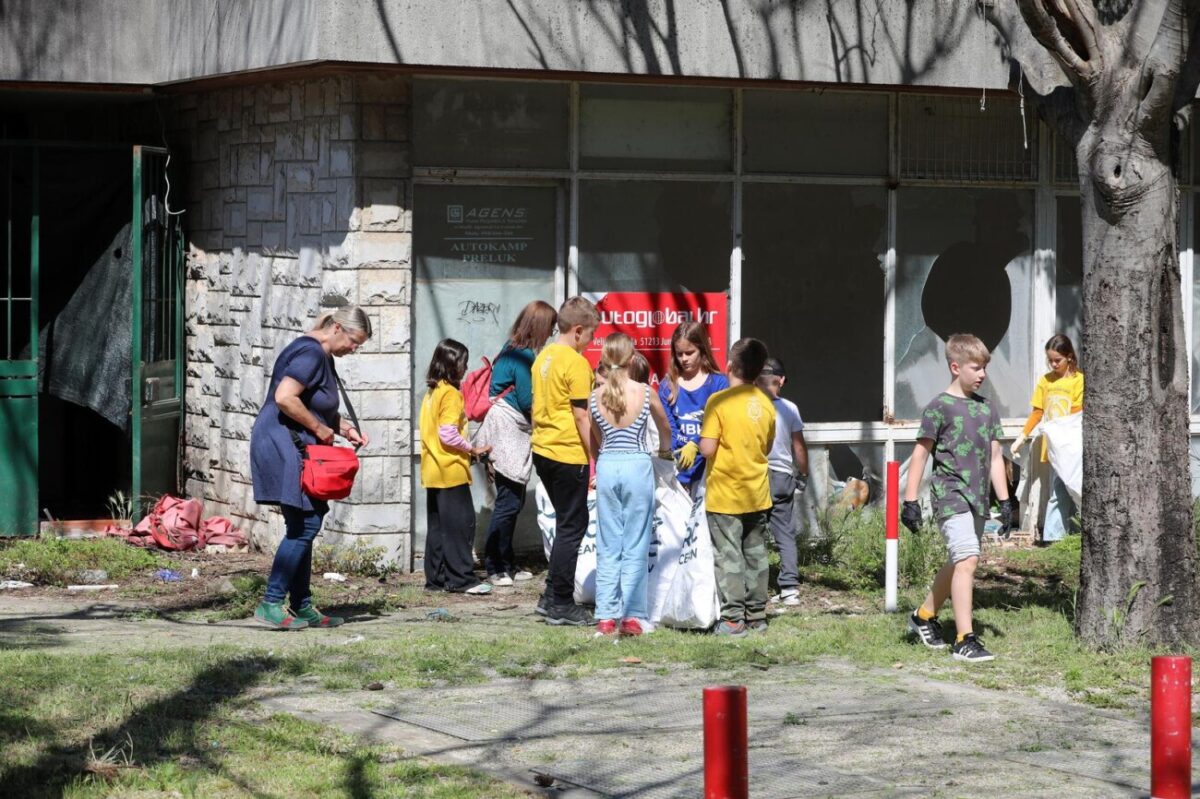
(961,430)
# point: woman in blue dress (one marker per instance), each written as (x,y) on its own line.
(693,377)
(302,399)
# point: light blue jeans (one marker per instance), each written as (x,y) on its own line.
(1059,510)
(624,522)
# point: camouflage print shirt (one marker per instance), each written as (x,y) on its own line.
(962,429)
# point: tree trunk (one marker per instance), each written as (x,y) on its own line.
(1138,575)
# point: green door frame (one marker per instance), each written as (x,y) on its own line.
(156,415)
(19,378)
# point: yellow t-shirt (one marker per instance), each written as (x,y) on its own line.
(1057,396)
(442,467)
(742,420)
(560,375)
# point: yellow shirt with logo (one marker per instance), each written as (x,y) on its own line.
(1057,396)
(442,467)
(560,375)
(742,420)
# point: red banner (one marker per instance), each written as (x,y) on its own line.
(650,318)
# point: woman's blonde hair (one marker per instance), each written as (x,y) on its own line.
(350,317)
(617,353)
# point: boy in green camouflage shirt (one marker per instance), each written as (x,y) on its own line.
(961,431)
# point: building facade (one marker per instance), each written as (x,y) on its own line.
(860,180)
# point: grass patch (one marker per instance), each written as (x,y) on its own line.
(182,723)
(57,561)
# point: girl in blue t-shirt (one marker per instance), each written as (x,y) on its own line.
(692,378)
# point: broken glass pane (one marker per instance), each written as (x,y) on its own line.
(654,236)
(655,127)
(964,265)
(817,300)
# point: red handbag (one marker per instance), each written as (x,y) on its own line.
(327,472)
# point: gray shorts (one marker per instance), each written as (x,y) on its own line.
(963,532)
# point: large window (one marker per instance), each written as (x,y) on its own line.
(818,299)
(654,236)
(815,133)
(964,265)
(655,128)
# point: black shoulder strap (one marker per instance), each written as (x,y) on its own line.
(300,445)
(346,399)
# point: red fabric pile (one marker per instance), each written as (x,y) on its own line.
(175,524)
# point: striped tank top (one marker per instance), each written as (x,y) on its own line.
(623,439)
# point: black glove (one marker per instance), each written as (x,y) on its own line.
(910,516)
(1008,515)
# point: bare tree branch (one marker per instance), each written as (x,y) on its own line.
(1082,22)
(1042,72)
(1045,29)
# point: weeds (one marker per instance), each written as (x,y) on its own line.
(850,550)
(360,560)
(56,561)
(120,507)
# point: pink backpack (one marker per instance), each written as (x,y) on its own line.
(475,387)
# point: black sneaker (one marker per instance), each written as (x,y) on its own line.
(570,616)
(928,632)
(970,650)
(543,606)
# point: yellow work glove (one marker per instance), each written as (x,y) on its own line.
(685,456)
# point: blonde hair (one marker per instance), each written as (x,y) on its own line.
(965,348)
(577,311)
(617,353)
(350,317)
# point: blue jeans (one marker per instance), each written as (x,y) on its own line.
(498,555)
(292,569)
(624,521)
(1059,510)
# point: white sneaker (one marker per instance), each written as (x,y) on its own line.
(482,588)
(523,576)
(500,580)
(790,597)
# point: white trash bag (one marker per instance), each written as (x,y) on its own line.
(585,567)
(1064,444)
(681,584)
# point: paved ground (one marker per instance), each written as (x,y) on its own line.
(823,729)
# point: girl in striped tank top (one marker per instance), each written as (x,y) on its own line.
(621,409)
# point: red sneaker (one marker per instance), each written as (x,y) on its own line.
(635,627)
(606,627)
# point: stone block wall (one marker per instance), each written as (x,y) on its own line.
(298,201)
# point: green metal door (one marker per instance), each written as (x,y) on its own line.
(157,412)
(19,341)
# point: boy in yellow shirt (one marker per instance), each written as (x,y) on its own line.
(562,384)
(736,436)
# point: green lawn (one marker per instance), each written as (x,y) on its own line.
(184,720)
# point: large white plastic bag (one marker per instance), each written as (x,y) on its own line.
(1064,444)
(684,595)
(585,567)
(681,585)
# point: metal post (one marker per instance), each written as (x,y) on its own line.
(892,542)
(1170,727)
(726,769)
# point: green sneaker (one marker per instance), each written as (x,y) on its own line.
(273,614)
(315,618)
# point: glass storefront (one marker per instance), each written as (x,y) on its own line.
(853,231)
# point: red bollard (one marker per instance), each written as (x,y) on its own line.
(726,769)
(1171,727)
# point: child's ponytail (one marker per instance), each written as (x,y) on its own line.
(617,353)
